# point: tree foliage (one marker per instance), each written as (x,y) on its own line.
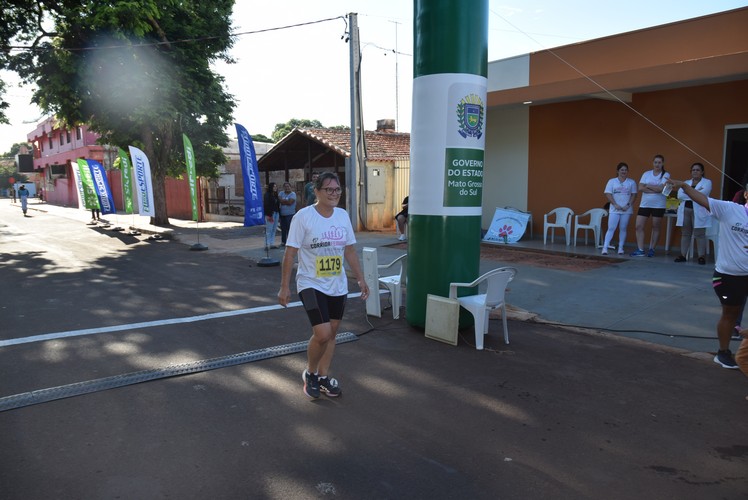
(15,148)
(261,138)
(137,72)
(283,129)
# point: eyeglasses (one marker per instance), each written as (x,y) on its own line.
(336,190)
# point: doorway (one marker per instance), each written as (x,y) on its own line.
(735,175)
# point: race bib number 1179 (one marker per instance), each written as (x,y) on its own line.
(329,266)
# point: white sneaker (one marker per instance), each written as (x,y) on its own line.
(401,237)
(604,252)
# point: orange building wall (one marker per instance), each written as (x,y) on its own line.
(625,54)
(575,146)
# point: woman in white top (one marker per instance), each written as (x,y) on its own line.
(693,218)
(620,192)
(322,236)
(730,279)
(651,205)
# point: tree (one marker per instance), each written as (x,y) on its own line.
(8,167)
(15,148)
(261,138)
(283,129)
(138,73)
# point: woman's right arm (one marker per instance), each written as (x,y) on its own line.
(696,196)
(284,294)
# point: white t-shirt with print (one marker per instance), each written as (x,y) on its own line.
(653,200)
(732,256)
(621,192)
(321,242)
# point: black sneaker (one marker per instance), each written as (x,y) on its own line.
(725,359)
(311,384)
(330,387)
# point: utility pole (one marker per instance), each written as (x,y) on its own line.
(397,85)
(357,161)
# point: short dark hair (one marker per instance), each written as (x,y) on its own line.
(621,165)
(323,177)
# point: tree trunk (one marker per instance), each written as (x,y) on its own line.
(158,162)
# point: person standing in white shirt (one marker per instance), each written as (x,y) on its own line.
(652,205)
(620,192)
(693,218)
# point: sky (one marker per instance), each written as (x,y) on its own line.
(304,71)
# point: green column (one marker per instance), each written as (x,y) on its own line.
(447,148)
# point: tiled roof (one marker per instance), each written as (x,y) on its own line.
(379,145)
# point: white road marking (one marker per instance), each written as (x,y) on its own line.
(148,324)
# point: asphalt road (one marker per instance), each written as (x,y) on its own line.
(557,414)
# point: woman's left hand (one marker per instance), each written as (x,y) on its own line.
(364,290)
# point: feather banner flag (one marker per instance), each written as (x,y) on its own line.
(253,211)
(101,187)
(126,168)
(89,198)
(189,159)
(143,182)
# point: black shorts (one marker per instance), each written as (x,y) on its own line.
(654,212)
(321,308)
(731,290)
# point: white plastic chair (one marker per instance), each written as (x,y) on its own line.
(529,220)
(563,217)
(374,279)
(596,220)
(712,235)
(395,282)
(480,305)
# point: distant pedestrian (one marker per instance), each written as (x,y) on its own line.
(321,236)
(309,197)
(23,194)
(271,205)
(402,219)
(95,214)
(12,194)
(730,280)
(287,209)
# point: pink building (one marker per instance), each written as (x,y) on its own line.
(56,151)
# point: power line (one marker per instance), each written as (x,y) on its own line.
(172,42)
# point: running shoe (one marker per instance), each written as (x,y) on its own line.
(725,359)
(651,252)
(680,258)
(330,387)
(637,253)
(311,384)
